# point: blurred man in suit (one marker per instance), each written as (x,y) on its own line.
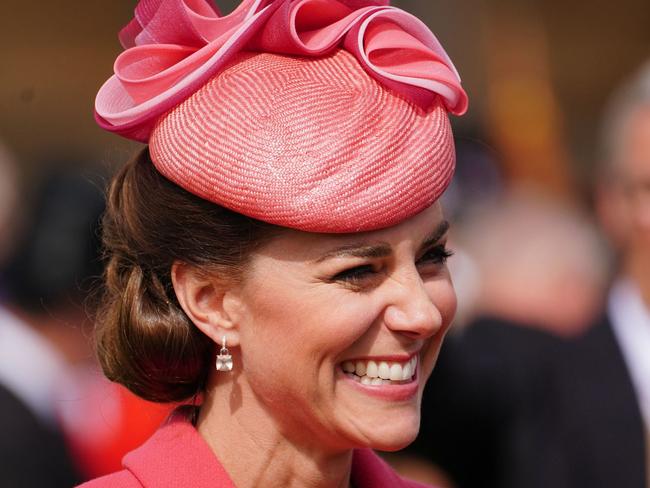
(600,406)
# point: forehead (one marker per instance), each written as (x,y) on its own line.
(297,245)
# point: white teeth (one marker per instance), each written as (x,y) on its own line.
(361,368)
(380,372)
(371,369)
(383,370)
(396,372)
(406,371)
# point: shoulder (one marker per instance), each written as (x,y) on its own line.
(119,479)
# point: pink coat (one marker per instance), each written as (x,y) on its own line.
(176,456)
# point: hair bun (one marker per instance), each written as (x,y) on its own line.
(144,340)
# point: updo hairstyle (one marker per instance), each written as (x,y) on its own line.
(144,340)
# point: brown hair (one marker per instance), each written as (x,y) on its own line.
(144,340)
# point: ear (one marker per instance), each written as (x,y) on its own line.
(209,304)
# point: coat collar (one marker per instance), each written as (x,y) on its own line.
(176,455)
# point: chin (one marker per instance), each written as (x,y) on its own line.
(393,436)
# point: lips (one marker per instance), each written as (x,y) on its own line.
(377,372)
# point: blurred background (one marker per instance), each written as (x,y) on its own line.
(535,254)
(537,72)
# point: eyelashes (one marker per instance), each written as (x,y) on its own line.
(434,257)
(437,254)
(356,274)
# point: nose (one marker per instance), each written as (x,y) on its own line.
(412,310)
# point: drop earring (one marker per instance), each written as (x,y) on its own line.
(224,358)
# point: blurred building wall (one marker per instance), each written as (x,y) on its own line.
(55,55)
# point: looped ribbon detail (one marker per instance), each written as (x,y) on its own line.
(173,47)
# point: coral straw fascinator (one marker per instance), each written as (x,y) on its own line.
(319,115)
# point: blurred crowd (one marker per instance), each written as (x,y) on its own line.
(544,380)
(61,421)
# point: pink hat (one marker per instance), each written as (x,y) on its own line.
(320,115)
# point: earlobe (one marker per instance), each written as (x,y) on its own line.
(207,304)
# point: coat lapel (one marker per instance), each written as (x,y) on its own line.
(176,455)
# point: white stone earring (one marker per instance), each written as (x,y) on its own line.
(224,358)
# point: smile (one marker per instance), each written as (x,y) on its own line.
(375,373)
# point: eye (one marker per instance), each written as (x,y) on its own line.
(356,274)
(436,255)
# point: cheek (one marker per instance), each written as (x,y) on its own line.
(304,325)
(275,344)
(443,296)
(273,325)
(291,346)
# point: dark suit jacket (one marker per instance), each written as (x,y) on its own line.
(512,407)
(31,455)
(597,437)
(478,407)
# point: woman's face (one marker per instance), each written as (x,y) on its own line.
(324,317)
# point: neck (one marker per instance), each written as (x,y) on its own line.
(252,448)
(637,267)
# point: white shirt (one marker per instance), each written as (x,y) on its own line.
(630,318)
(30,367)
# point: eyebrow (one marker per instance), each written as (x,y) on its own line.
(381,249)
(436,235)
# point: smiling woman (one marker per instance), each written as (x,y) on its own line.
(276,256)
